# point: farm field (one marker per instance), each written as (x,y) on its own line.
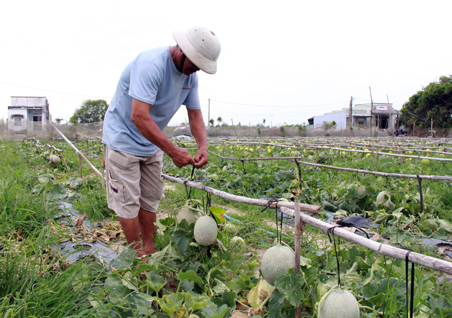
(183,278)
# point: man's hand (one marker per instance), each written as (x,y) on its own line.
(181,157)
(201,157)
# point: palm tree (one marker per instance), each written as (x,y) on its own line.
(219,120)
(211,122)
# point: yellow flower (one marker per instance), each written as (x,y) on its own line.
(269,150)
(331,150)
(251,149)
(410,152)
(425,160)
(440,149)
(428,149)
(281,152)
(292,152)
(366,149)
(368,155)
(408,159)
(304,150)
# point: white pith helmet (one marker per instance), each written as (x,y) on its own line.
(201,46)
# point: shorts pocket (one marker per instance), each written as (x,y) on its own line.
(116,188)
(119,159)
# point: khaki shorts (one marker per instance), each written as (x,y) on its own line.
(133,182)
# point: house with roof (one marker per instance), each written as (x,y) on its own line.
(382,115)
(28,114)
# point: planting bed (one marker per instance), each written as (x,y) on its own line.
(220,280)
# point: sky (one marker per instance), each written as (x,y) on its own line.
(281,61)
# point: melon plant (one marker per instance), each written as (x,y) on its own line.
(338,303)
(185,214)
(205,230)
(276,257)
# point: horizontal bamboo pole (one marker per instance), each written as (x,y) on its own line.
(77,151)
(384,174)
(303,207)
(384,249)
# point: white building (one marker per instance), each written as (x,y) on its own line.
(28,114)
(383,116)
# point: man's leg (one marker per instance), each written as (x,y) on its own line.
(131,229)
(146,221)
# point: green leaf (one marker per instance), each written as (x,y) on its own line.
(213,311)
(125,259)
(292,285)
(218,213)
(275,304)
(155,281)
(189,275)
(182,241)
(45,178)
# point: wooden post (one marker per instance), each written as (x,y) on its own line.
(315,154)
(421,198)
(80,164)
(297,232)
(376,158)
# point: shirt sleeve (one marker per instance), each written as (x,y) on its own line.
(145,79)
(192,100)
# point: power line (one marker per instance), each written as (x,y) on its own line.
(277,106)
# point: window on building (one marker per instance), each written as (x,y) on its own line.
(17,119)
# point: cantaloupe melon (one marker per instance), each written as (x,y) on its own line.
(205,230)
(55,159)
(185,214)
(275,258)
(338,303)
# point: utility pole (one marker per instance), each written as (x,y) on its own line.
(371,112)
(350,113)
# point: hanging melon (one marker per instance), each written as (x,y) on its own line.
(205,231)
(338,303)
(185,214)
(275,258)
(55,159)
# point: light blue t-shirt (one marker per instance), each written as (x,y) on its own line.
(152,78)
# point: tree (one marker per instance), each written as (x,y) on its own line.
(433,102)
(91,111)
(328,125)
(211,122)
(219,120)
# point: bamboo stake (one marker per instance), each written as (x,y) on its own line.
(297,233)
(303,207)
(77,151)
(384,249)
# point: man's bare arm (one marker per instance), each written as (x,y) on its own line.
(198,130)
(149,129)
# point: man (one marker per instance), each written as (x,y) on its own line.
(149,92)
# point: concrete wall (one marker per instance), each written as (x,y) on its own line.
(339,117)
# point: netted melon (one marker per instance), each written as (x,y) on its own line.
(338,303)
(205,230)
(185,214)
(55,159)
(275,258)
